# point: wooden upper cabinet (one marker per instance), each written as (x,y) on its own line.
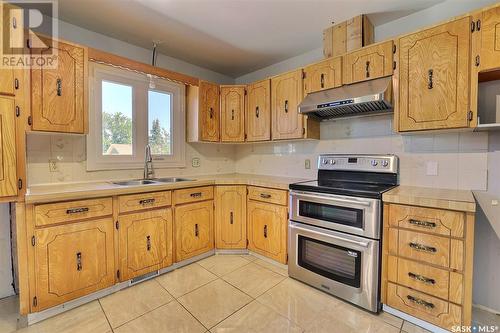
(209,111)
(230,217)
(59,95)
(368,63)
(258,111)
(286,94)
(489,35)
(8,162)
(145,242)
(323,75)
(232,99)
(433,77)
(7,81)
(72,261)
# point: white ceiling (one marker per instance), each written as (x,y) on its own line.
(232,37)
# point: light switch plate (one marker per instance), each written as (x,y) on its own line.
(432,168)
(195,162)
(307,164)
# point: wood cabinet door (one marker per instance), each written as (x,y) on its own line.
(258,111)
(209,111)
(59,95)
(230,217)
(490,39)
(8,171)
(267,230)
(232,99)
(145,242)
(368,63)
(324,75)
(7,82)
(286,94)
(72,261)
(434,77)
(194,229)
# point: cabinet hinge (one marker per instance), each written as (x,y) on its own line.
(287,258)
(478,25)
(394,65)
(247,191)
(394,48)
(118,274)
(469,115)
(303,74)
(16,84)
(245,92)
(303,131)
(478,60)
(117,225)
(35,301)
(20,183)
(246,136)
(247,242)
(472,26)
(32,240)
(18,111)
(28,43)
(30,121)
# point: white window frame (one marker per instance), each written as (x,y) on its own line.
(140,86)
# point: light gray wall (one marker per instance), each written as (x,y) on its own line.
(5,260)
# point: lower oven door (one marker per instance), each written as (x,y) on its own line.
(343,265)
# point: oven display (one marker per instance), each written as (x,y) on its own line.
(352,160)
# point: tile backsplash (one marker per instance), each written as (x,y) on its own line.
(461,158)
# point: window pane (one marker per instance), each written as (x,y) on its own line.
(159,127)
(116,119)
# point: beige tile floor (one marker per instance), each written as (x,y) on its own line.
(223,293)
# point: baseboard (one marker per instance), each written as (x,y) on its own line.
(487,309)
(419,322)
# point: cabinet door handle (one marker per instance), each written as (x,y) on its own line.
(211,113)
(286,106)
(322,80)
(368,69)
(59,87)
(77,210)
(146,201)
(419,301)
(265,231)
(148,243)
(430,84)
(424,248)
(257,112)
(232,114)
(196,231)
(424,224)
(79,261)
(16,84)
(265,195)
(231,218)
(14,23)
(195,195)
(421,278)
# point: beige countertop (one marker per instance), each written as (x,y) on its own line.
(461,200)
(73,191)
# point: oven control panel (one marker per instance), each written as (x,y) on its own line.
(370,163)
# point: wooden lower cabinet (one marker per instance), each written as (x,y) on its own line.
(194,229)
(230,217)
(145,242)
(72,261)
(267,230)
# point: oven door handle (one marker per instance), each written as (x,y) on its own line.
(353,202)
(361,244)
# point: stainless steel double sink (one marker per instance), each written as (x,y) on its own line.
(153,181)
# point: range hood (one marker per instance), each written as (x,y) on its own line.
(352,100)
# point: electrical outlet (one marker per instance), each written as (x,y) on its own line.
(195,162)
(307,164)
(53,165)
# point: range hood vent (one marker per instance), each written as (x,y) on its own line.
(353,100)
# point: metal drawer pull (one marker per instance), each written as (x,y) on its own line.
(421,278)
(286,106)
(196,232)
(148,243)
(232,114)
(146,201)
(322,80)
(265,195)
(265,231)
(367,69)
(231,218)
(77,210)
(211,113)
(257,112)
(195,195)
(421,247)
(59,87)
(79,261)
(419,301)
(430,84)
(422,223)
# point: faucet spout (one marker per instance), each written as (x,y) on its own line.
(148,163)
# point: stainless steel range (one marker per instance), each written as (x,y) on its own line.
(336,223)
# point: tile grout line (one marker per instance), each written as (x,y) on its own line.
(105,315)
(142,315)
(192,315)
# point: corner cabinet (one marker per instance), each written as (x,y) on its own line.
(323,75)
(59,95)
(232,105)
(230,217)
(258,111)
(433,78)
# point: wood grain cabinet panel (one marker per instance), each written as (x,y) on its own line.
(8,161)
(145,242)
(7,83)
(267,230)
(59,95)
(230,217)
(258,111)
(323,75)
(368,63)
(194,229)
(209,111)
(72,261)
(141,201)
(232,100)
(269,195)
(193,194)
(489,33)
(434,77)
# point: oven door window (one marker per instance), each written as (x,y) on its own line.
(351,217)
(331,261)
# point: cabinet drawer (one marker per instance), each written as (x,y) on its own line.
(437,221)
(193,194)
(70,211)
(434,281)
(269,195)
(436,250)
(133,202)
(428,308)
